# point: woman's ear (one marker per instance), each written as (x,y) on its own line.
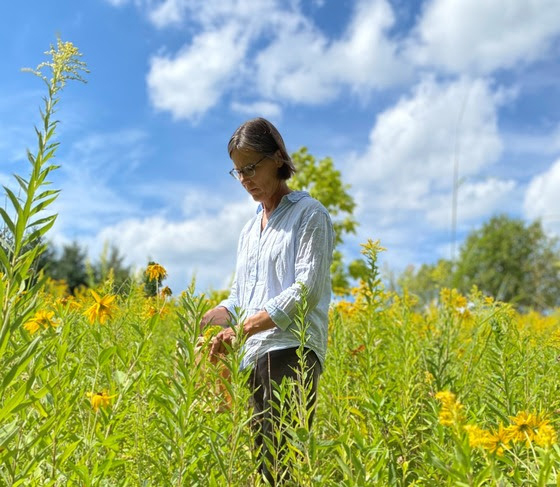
(278,158)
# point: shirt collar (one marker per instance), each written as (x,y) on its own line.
(292,197)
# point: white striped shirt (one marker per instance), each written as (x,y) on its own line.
(294,248)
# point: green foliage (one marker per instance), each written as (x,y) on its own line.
(73,267)
(426,282)
(324,182)
(511,261)
(506,258)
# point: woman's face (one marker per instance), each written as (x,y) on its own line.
(265,183)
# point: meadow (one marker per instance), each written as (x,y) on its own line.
(110,387)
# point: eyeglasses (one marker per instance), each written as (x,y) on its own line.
(248,171)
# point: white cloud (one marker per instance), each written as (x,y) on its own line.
(167,13)
(298,63)
(475,200)
(481,35)
(117,3)
(205,242)
(91,172)
(301,64)
(405,177)
(417,141)
(193,81)
(542,198)
(258,108)
(210,13)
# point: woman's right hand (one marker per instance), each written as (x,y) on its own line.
(216,316)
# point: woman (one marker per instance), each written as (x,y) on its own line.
(285,250)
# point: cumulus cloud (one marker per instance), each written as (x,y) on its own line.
(417,141)
(210,13)
(481,36)
(297,62)
(193,80)
(205,242)
(542,199)
(474,200)
(302,65)
(405,177)
(258,108)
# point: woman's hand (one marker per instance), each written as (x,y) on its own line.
(216,316)
(226,336)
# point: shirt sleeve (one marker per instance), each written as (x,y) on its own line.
(232,301)
(315,242)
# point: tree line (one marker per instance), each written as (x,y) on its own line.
(506,258)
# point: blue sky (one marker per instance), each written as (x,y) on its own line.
(396,92)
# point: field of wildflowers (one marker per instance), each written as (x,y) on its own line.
(112,388)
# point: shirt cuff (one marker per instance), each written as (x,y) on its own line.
(229,305)
(280,318)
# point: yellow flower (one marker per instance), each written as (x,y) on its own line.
(372,247)
(498,440)
(156,272)
(523,427)
(210,332)
(546,436)
(42,319)
(477,436)
(166,291)
(451,412)
(428,377)
(102,309)
(99,399)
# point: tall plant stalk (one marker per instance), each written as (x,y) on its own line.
(27,223)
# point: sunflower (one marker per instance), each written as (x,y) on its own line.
(156,272)
(102,309)
(42,319)
(99,399)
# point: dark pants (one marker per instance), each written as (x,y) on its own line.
(269,372)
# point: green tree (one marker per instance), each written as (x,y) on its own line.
(511,261)
(324,182)
(426,281)
(110,265)
(70,266)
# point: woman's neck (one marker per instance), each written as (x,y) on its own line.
(273,202)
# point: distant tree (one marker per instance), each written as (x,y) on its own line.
(426,281)
(110,263)
(324,182)
(70,266)
(511,261)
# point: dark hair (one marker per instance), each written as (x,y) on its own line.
(259,135)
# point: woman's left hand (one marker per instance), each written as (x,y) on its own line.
(226,336)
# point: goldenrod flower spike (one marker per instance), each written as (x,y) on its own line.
(451,412)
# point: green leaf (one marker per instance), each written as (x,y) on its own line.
(13,402)
(105,355)
(20,365)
